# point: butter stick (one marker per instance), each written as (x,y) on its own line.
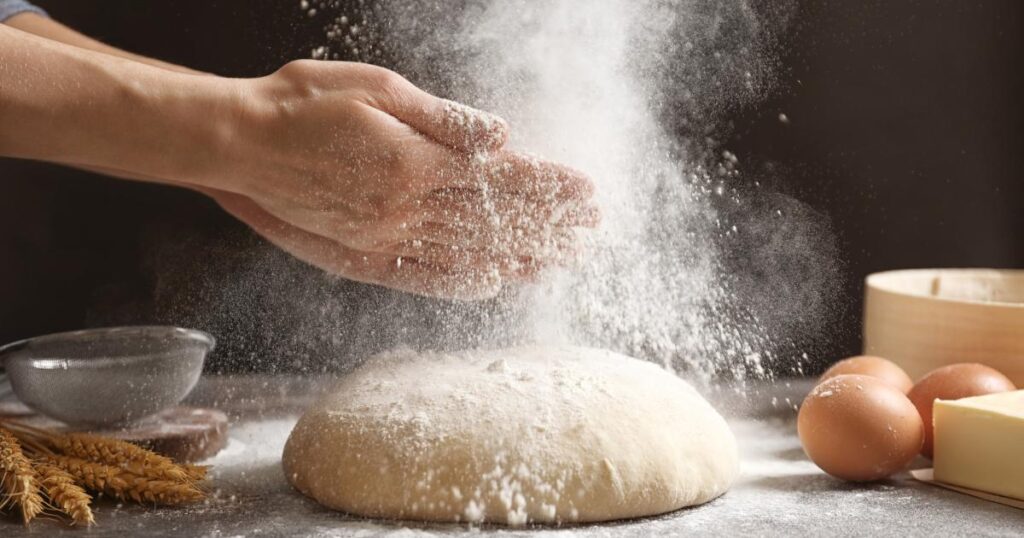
(979,443)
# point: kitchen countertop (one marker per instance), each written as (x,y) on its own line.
(779,493)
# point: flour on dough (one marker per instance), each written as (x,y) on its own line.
(514,436)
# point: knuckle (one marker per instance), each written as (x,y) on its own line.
(389,86)
(299,68)
(388,81)
(296,79)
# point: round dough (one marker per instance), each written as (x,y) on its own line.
(533,434)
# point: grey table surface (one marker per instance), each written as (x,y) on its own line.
(779,493)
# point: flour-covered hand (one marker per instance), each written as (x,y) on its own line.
(364,174)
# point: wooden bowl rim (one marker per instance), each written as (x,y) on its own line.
(891,282)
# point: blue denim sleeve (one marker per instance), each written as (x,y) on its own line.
(10,8)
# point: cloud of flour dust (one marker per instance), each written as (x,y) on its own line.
(693,266)
(626,91)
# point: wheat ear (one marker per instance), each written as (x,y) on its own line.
(121,454)
(18,484)
(122,484)
(64,494)
(196,473)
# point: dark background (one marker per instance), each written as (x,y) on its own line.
(905,130)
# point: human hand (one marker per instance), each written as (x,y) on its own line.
(347,166)
(352,168)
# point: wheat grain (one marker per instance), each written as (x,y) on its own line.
(163,491)
(113,467)
(196,473)
(64,494)
(18,484)
(123,484)
(121,454)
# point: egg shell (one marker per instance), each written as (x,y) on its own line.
(859,428)
(870,365)
(952,383)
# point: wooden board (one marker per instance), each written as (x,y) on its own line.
(927,476)
(185,434)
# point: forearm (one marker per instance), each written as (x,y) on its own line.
(65,104)
(39,25)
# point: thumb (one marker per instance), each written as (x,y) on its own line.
(464,127)
(452,124)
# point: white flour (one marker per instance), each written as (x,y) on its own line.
(607,87)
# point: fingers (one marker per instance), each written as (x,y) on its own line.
(463,127)
(452,124)
(481,259)
(511,173)
(410,275)
(518,227)
(526,175)
(425,278)
(509,189)
(432,168)
(473,207)
(468,146)
(470,140)
(550,245)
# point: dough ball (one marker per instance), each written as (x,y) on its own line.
(514,436)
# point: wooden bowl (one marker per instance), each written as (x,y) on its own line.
(922,319)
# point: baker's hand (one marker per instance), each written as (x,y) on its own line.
(354,169)
(345,165)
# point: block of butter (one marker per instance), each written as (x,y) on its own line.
(979,443)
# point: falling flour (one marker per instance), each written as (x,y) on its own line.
(694,266)
(625,91)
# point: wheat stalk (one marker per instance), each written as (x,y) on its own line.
(18,484)
(65,463)
(114,452)
(64,494)
(122,454)
(123,484)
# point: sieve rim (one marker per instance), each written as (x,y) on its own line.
(168,332)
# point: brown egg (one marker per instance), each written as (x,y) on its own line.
(873,366)
(859,428)
(952,383)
